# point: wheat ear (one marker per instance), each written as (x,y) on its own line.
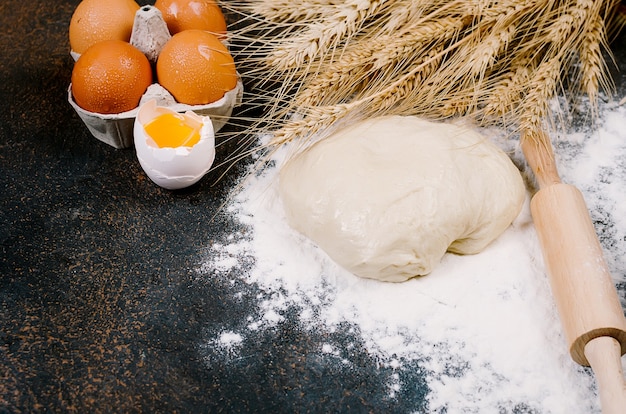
(344,21)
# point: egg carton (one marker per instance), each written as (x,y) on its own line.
(149,35)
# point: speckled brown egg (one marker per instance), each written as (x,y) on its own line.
(192,14)
(196,68)
(110,77)
(97,20)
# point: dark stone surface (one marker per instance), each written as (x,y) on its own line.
(101,309)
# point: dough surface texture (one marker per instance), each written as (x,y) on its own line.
(387,197)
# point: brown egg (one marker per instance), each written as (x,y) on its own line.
(196,68)
(97,20)
(110,77)
(192,14)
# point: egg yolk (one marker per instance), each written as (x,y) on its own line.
(172,130)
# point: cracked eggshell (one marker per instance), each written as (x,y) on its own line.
(150,35)
(219,111)
(173,168)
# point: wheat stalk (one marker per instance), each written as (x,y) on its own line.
(291,11)
(344,20)
(318,118)
(509,89)
(365,58)
(337,60)
(592,60)
(405,86)
(543,85)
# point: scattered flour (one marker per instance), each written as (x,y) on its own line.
(484,327)
(230,339)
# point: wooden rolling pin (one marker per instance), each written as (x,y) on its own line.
(585,295)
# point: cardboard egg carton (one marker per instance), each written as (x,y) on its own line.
(149,35)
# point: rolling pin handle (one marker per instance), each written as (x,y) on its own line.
(604,355)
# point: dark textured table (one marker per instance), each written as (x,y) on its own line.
(101,308)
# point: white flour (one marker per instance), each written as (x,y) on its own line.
(483,327)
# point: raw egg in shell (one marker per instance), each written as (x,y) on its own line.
(175,150)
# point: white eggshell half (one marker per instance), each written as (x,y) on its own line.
(173,168)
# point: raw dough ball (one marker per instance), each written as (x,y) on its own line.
(387,197)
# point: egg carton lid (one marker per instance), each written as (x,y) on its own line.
(117,129)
